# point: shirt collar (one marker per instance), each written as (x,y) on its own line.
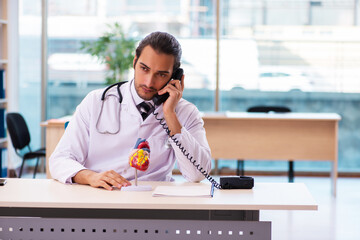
(137,99)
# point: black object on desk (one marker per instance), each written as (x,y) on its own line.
(237,182)
(2,182)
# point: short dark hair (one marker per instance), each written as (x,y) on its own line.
(162,42)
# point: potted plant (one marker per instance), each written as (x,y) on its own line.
(114,49)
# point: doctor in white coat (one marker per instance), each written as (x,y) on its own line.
(96,145)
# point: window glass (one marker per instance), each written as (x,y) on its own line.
(72,73)
(30,67)
(78,7)
(300,54)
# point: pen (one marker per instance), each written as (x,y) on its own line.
(212,190)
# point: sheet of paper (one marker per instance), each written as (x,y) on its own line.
(183,191)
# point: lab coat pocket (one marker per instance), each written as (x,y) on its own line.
(160,152)
(159,143)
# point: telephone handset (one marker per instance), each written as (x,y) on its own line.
(159,99)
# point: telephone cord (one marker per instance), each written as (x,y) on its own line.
(186,153)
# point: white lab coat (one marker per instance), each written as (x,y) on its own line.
(83,147)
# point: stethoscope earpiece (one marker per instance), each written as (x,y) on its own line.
(118,84)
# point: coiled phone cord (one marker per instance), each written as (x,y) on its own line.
(186,153)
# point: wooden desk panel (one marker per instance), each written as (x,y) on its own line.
(54,131)
(271,139)
(262,136)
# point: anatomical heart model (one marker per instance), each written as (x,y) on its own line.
(139,159)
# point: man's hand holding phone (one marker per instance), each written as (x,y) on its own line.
(175,89)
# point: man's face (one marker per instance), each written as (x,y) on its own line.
(152,71)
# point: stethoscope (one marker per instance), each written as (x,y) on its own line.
(103,98)
(120,98)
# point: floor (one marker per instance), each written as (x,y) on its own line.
(334,220)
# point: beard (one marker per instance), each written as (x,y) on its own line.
(146,93)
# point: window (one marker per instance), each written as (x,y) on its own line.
(298,53)
(301,54)
(30,67)
(73,73)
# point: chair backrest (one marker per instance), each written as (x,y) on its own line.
(18,130)
(266,109)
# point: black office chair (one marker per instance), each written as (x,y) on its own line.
(267,109)
(20,138)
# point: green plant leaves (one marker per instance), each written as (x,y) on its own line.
(114,49)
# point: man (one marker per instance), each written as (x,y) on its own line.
(95,147)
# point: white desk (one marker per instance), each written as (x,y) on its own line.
(58,211)
(266,136)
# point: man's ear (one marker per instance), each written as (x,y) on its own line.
(135,61)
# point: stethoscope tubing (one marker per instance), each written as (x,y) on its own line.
(103,97)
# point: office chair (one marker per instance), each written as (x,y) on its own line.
(20,138)
(267,109)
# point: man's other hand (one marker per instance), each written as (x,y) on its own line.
(107,179)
